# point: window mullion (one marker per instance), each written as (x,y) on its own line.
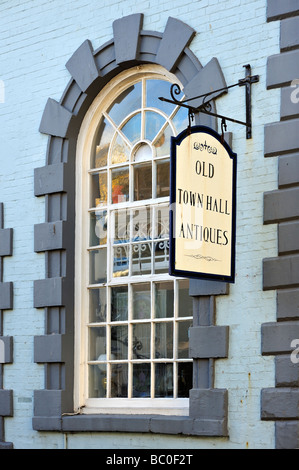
(175,338)
(130,342)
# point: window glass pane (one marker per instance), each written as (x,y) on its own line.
(141,380)
(97,343)
(162,178)
(142,181)
(184,379)
(164,299)
(98,228)
(161,260)
(119,303)
(180,120)
(141,301)
(132,129)
(153,123)
(164,340)
(120,185)
(98,266)
(162,222)
(185,301)
(142,229)
(102,141)
(98,189)
(121,226)
(155,89)
(119,380)
(97,378)
(121,260)
(127,102)
(120,151)
(141,258)
(183,339)
(143,152)
(142,341)
(163,380)
(119,342)
(97,305)
(162,144)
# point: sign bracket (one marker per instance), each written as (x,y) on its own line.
(206,107)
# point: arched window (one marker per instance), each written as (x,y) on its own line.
(132,318)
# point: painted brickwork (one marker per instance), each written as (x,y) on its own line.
(37,39)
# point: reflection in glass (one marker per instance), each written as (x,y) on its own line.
(162,144)
(132,129)
(97,343)
(183,339)
(162,178)
(181,120)
(121,226)
(127,102)
(120,185)
(119,380)
(163,380)
(156,88)
(164,299)
(119,303)
(141,341)
(143,152)
(98,189)
(121,261)
(97,380)
(184,379)
(164,340)
(98,228)
(141,380)
(142,181)
(97,305)
(161,260)
(153,123)
(162,222)
(141,301)
(141,258)
(120,151)
(142,229)
(102,141)
(98,266)
(119,342)
(185,301)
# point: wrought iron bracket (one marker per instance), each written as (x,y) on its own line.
(206,107)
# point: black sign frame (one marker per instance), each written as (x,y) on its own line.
(175,141)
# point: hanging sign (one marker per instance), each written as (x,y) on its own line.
(202,206)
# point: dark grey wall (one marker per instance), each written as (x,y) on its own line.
(6,303)
(90,71)
(281,403)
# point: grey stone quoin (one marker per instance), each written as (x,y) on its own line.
(6,303)
(281,403)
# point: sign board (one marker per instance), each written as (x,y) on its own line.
(202,206)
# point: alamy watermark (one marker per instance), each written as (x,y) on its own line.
(295,352)
(295,92)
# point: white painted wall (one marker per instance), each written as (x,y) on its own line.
(37,37)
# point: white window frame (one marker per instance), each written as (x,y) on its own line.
(171,406)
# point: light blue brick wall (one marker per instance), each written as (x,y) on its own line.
(37,37)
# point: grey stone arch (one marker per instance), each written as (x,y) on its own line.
(90,71)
